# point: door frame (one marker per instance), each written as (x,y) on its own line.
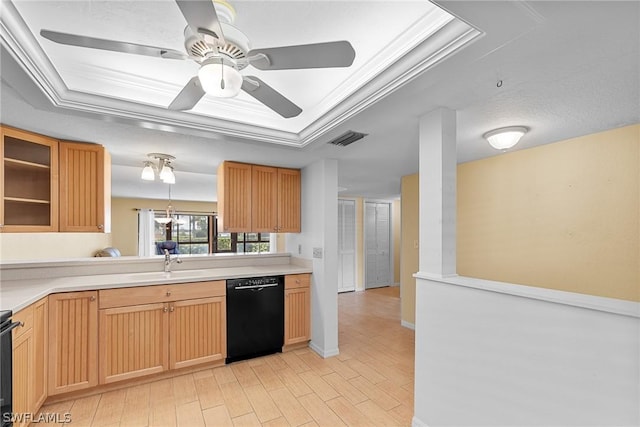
(364,239)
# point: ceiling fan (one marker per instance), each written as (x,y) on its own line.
(222,51)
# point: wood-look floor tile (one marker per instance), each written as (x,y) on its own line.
(224,374)
(315,362)
(321,413)
(218,416)
(189,415)
(293,382)
(348,413)
(341,368)
(110,408)
(403,414)
(235,399)
(244,373)
(276,362)
(136,406)
(379,397)
(161,392)
(262,403)
(209,393)
(290,407)
(295,363)
(246,420)
(278,422)
(376,414)
(399,393)
(163,415)
(318,385)
(84,409)
(184,389)
(267,377)
(348,391)
(365,371)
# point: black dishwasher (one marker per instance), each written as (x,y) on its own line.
(255,317)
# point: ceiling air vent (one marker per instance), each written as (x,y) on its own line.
(347,138)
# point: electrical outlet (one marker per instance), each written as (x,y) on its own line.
(317,252)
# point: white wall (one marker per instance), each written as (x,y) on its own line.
(320,231)
(490,358)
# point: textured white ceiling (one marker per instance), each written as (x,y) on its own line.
(568,68)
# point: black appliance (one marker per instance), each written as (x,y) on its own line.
(255,317)
(6,366)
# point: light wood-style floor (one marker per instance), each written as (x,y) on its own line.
(369,384)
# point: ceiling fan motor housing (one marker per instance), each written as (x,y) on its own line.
(205,46)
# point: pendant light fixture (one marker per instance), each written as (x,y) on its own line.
(162,165)
(170,213)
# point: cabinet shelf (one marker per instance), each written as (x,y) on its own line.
(16,163)
(23,200)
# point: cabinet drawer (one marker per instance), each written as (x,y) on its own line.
(26,317)
(293,281)
(123,297)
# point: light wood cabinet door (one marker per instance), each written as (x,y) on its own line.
(288,201)
(85,188)
(23,376)
(297,308)
(73,350)
(28,182)
(234,197)
(41,350)
(133,341)
(197,331)
(264,199)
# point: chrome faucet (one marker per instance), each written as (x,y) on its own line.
(168,260)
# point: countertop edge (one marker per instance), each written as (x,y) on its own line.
(18,294)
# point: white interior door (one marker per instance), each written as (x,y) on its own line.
(377,233)
(346,245)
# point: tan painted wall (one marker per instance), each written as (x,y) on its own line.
(408,246)
(562,216)
(124,218)
(40,246)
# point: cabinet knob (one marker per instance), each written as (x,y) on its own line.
(165,309)
(172,309)
(168,293)
(92,298)
(100,227)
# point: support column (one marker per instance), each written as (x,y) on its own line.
(438,161)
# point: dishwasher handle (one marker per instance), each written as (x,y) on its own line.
(271,285)
(10,328)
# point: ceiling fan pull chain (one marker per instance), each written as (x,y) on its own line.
(222,74)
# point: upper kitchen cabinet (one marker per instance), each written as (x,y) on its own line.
(257,198)
(29,188)
(85,188)
(234,197)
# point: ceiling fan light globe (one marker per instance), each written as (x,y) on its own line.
(211,74)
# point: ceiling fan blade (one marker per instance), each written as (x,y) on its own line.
(115,46)
(318,55)
(202,17)
(188,96)
(270,97)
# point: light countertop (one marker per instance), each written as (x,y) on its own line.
(17,294)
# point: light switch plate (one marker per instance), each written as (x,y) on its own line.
(317,252)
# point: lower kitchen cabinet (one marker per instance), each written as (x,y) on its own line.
(297,308)
(133,341)
(29,360)
(179,326)
(197,331)
(73,347)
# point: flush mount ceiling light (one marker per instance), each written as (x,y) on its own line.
(506,137)
(163,167)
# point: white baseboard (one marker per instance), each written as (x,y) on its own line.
(323,353)
(408,325)
(415,422)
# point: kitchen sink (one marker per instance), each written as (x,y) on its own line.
(161,275)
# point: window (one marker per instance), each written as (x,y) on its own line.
(240,242)
(191,232)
